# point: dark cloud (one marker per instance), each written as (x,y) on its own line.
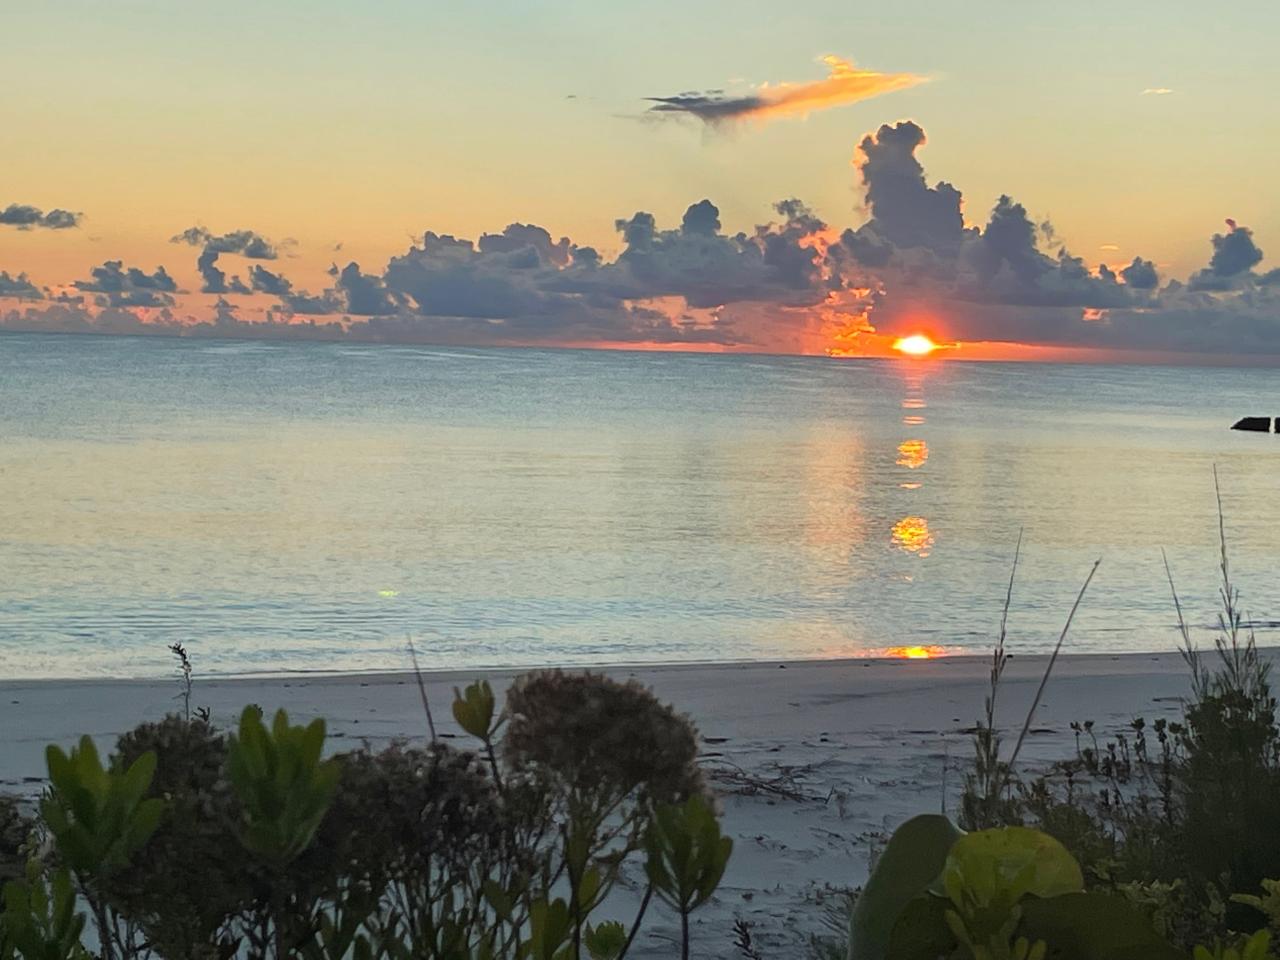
(522,285)
(531,244)
(245,243)
(365,294)
(354,293)
(778,262)
(1234,255)
(710,107)
(263,280)
(26,217)
(500,281)
(118,286)
(19,286)
(1141,275)
(906,211)
(703,218)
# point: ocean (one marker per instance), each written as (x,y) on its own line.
(313,506)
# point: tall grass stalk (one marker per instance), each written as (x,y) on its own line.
(422,689)
(981,805)
(1044,680)
(1243,669)
(986,740)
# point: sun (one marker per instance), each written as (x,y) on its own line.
(916,345)
(916,652)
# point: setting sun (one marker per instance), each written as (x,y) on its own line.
(916,345)
(916,652)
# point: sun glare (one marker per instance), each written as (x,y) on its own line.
(915,652)
(916,345)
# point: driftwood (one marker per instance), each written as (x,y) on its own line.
(783,780)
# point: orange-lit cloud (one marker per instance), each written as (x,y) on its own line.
(845,83)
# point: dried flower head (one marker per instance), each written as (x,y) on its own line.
(405,810)
(600,737)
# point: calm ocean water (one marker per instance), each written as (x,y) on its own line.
(309,506)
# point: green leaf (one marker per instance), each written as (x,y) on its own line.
(284,786)
(910,863)
(921,931)
(1003,865)
(1093,926)
(605,941)
(686,854)
(136,780)
(498,899)
(473,709)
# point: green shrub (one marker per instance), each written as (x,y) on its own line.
(99,818)
(1008,893)
(1173,816)
(188,882)
(686,857)
(194,846)
(39,920)
(15,836)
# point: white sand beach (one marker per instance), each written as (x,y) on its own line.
(859,746)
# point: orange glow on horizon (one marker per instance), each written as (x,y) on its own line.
(915,652)
(916,345)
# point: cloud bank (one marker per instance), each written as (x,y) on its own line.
(844,84)
(791,284)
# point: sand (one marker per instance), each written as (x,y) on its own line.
(861,745)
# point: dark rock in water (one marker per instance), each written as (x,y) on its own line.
(1259,424)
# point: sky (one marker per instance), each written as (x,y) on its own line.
(338,164)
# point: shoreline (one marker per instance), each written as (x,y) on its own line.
(815,761)
(876,655)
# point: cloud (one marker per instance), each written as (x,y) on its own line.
(791,284)
(1141,275)
(245,243)
(844,84)
(19,286)
(26,217)
(1156,92)
(1234,255)
(118,286)
(522,285)
(264,281)
(354,293)
(907,211)
(999,283)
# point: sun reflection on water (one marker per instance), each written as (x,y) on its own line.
(911,535)
(912,454)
